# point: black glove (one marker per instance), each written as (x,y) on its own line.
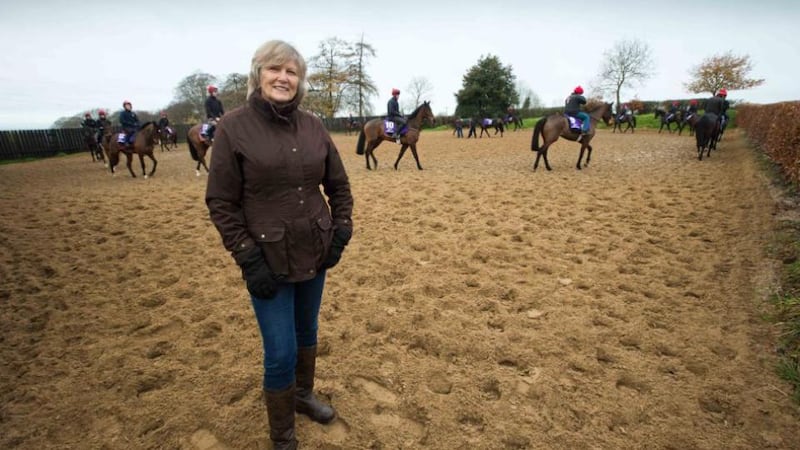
(261,282)
(340,239)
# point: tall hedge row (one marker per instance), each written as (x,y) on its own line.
(775,129)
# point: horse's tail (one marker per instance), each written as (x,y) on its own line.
(537,130)
(192,149)
(360,145)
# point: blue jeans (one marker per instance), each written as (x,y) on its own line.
(585,121)
(288,321)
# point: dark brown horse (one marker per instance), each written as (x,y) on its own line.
(630,119)
(145,140)
(95,149)
(198,147)
(497,124)
(556,125)
(374,133)
(667,120)
(689,120)
(351,126)
(167,137)
(706,132)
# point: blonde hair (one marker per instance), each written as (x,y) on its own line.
(276,53)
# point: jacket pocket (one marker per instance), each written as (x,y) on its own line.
(323,238)
(273,243)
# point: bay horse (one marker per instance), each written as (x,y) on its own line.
(374,132)
(167,137)
(515,119)
(665,121)
(556,125)
(706,132)
(143,143)
(620,119)
(351,126)
(497,124)
(198,147)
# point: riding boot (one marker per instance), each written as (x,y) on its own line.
(280,413)
(305,400)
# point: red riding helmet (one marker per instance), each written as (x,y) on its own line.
(395,91)
(212,88)
(675,103)
(578,90)
(101,112)
(163,114)
(693,101)
(87,115)
(722,92)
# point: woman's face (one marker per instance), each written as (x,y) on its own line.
(279,82)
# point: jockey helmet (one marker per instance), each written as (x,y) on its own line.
(126,102)
(101,112)
(693,101)
(87,115)
(212,88)
(395,91)
(675,103)
(578,90)
(163,114)
(722,93)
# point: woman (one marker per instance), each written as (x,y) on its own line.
(263,196)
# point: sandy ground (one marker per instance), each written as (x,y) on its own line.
(480,305)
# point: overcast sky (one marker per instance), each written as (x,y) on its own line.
(58,58)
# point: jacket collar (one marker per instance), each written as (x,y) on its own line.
(279,113)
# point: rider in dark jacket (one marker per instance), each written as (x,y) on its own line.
(89,125)
(673,110)
(393,114)
(102,123)
(716,104)
(214,111)
(129,122)
(573,108)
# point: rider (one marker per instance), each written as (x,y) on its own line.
(716,104)
(102,123)
(88,124)
(394,115)
(725,105)
(673,109)
(163,122)
(129,122)
(692,108)
(573,108)
(625,110)
(214,111)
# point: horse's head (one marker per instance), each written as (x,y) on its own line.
(427,113)
(606,114)
(150,131)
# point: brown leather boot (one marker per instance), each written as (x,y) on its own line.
(306,402)
(280,412)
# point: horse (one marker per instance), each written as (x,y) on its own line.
(690,121)
(167,137)
(557,125)
(630,119)
(374,132)
(497,124)
(198,147)
(95,149)
(676,118)
(145,140)
(706,133)
(515,119)
(351,126)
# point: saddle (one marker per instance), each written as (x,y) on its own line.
(575,124)
(388,125)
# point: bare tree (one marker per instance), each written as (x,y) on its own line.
(361,85)
(418,88)
(628,63)
(722,71)
(233,91)
(329,78)
(192,90)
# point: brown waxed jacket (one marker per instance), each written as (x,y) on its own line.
(267,166)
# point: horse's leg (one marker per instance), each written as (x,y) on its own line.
(588,154)
(580,156)
(416,158)
(155,163)
(400,156)
(129,157)
(141,161)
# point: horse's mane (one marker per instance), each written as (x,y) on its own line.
(144,125)
(416,111)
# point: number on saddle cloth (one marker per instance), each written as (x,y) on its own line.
(574,122)
(487,122)
(388,125)
(204,129)
(122,138)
